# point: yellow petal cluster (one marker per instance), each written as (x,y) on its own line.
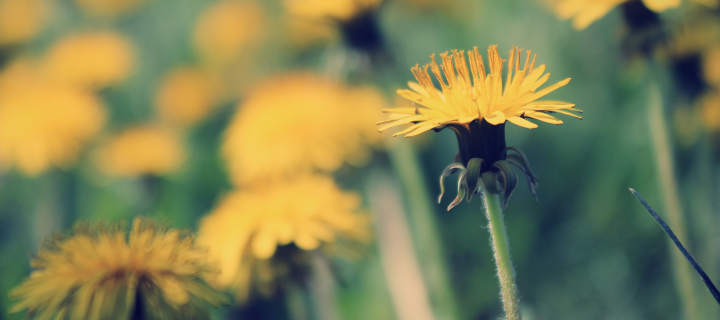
(473,94)
(187,95)
(227,28)
(20,20)
(43,122)
(142,150)
(249,225)
(101,272)
(585,12)
(299,123)
(342,10)
(109,8)
(95,60)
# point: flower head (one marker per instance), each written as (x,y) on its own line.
(101,272)
(43,122)
(187,95)
(142,150)
(474,95)
(249,229)
(95,60)
(342,10)
(21,20)
(291,124)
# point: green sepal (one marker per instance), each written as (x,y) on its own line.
(509,178)
(448,171)
(472,175)
(520,160)
(490,182)
(462,189)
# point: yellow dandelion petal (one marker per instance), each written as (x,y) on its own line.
(21,20)
(474,94)
(227,28)
(329,9)
(96,60)
(187,95)
(43,123)
(142,150)
(247,226)
(661,5)
(290,124)
(102,272)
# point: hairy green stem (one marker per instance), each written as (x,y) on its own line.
(501,252)
(668,185)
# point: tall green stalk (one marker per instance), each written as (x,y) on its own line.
(668,185)
(501,253)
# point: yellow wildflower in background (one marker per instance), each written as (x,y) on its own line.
(711,65)
(342,10)
(249,226)
(101,272)
(710,111)
(92,59)
(585,12)
(21,20)
(463,100)
(298,123)
(228,28)
(43,123)
(187,95)
(109,8)
(142,150)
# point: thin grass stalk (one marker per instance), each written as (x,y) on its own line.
(668,187)
(501,253)
(423,224)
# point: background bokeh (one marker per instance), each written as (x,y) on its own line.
(173,73)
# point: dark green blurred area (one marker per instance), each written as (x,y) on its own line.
(586,249)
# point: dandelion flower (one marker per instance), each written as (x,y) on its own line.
(96,60)
(187,95)
(475,105)
(43,123)
(342,10)
(710,111)
(585,12)
(20,20)
(142,150)
(227,28)
(249,227)
(101,272)
(290,124)
(109,8)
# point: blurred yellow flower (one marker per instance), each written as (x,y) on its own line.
(187,95)
(142,150)
(711,65)
(585,12)
(249,226)
(109,8)
(462,101)
(21,20)
(43,123)
(710,111)
(228,28)
(342,10)
(91,59)
(101,272)
(298,123)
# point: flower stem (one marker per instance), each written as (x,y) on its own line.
(668,186)
(501,252)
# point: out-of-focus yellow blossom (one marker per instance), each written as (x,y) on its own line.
(43,122)
(298,123)
(711,65)
(142,150)
(91,59)
(101,272)
(710,111)
(109,8)
(342,10)
(21,20)
(585,12)
(462,101)
(249,226)
(228,28)
(187,95)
